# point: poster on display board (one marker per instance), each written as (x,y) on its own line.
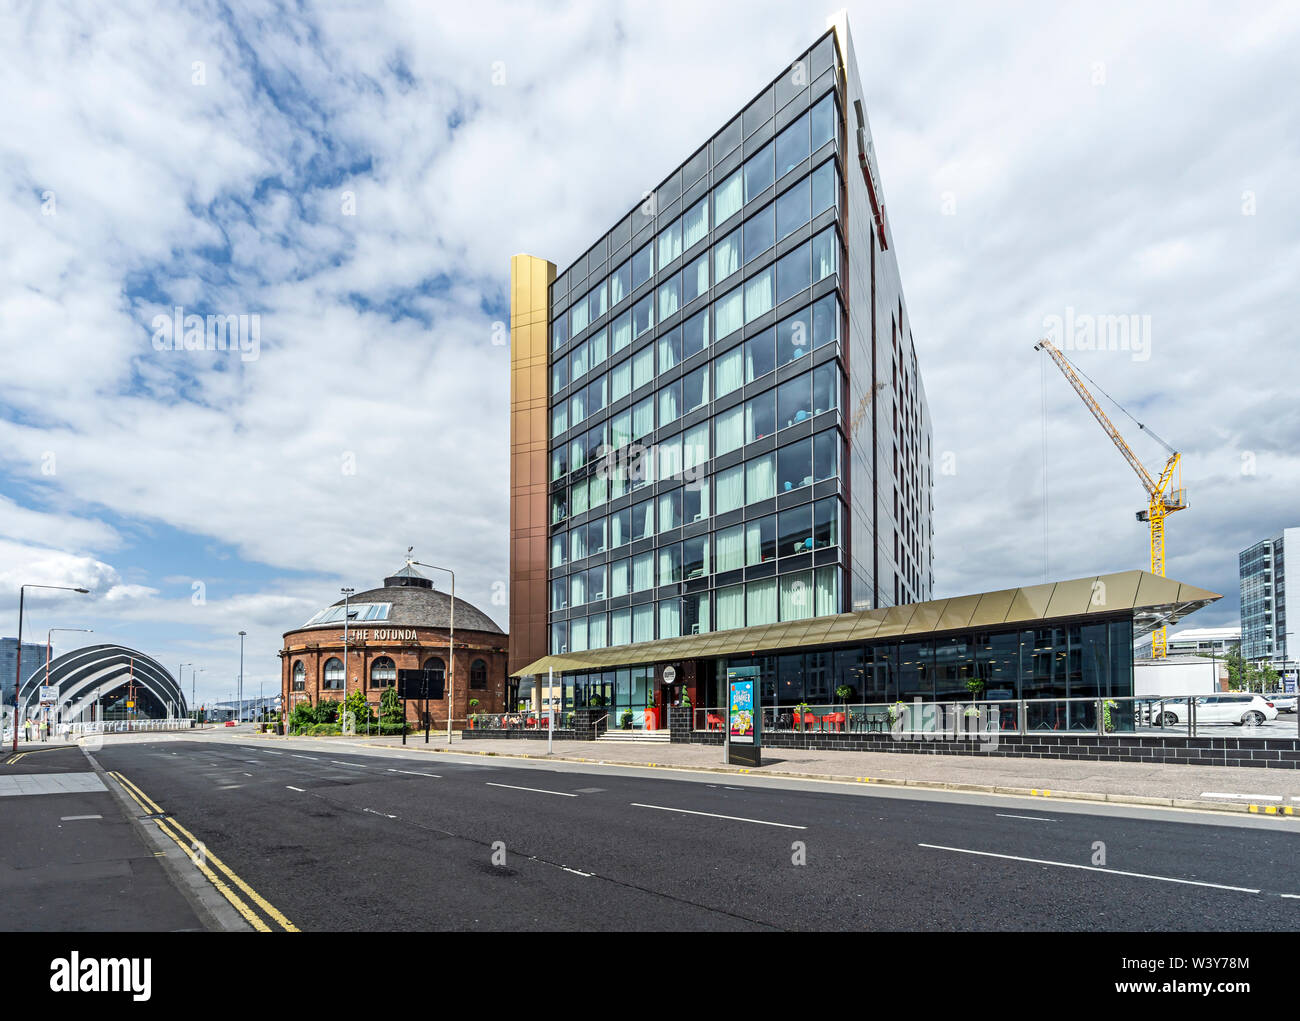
(744,718)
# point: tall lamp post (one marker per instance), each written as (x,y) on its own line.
(18,667)
(451,648)
(347,614)
(194,710)
(240,707)
(180,673)
(48,633)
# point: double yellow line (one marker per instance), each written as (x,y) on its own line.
(204,858)
(14,758)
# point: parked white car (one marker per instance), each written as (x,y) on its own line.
(1282,703)
(1239,710)
(1242,710)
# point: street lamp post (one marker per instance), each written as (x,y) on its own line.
(180,673)
(18,667)
(240,702)
(451,650)
(49,632)
(347,613)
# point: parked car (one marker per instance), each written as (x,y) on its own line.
(1282,703)
(1248,710)
(1237,709)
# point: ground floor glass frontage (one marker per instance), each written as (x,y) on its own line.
(1083,660)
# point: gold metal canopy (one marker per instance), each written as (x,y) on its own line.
(1154,602)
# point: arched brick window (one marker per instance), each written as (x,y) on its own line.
(332,675)
(299,677)
(478,675)
(383,673)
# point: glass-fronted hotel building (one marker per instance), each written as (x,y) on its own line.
(718,419)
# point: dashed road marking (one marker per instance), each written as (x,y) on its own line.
(715,815)
(1088,868)
(293,788)
(535,790)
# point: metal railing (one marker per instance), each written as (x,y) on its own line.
(523,720)
(76,730)
(1167,716)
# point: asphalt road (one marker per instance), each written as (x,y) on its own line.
(341,840)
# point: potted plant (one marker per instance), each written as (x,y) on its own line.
(625,721)
(473,716)
(844,693)
(803,710)
(1107,721)
(896,712)
(651,715)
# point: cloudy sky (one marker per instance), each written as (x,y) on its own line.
(358,175)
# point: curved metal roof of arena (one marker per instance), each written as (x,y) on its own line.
(82,671)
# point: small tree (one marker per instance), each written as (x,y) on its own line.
(357,705)
(1237,670)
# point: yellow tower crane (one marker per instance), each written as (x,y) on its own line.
(1163,496)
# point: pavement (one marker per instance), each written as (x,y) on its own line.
(334,834)
(1244,789)
(70,859)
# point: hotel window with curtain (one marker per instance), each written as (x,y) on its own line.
(729,372)
(726,257)
(728,198)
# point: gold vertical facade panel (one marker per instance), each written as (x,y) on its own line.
(530,283)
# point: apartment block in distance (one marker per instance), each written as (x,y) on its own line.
(1265,621)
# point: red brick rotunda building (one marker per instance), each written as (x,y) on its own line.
(403,626)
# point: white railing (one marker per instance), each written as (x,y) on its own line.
(79,730)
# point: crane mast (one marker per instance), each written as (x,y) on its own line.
(1162,500)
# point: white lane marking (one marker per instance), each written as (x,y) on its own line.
(1033,818)
(298,789)
(714,815)
(411,772)
(384,814)
(75,818)
(267,751)
(1243,797)
(230,786)
(357,765)
(1290,896)
(248,774)
(588,875)
(535,790)
(1090,868)
(312,757)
